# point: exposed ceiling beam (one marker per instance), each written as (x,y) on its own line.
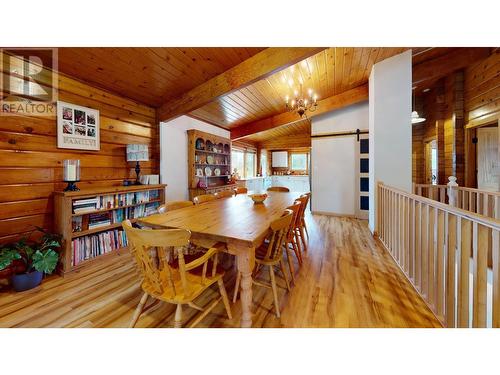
(257,67)
(441,66)
(355,95)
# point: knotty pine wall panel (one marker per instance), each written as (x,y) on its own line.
(482,89)
(31,164)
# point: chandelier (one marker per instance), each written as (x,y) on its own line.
(300,103)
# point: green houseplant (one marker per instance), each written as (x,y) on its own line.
(29,260)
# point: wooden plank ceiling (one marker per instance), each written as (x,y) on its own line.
(150,75)
(156,76)
(329,72)
(297,128)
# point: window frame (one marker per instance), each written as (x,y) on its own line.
(291,153)
(243,173)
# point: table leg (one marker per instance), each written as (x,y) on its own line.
(246,262)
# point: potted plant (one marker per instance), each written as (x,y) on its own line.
(28,261)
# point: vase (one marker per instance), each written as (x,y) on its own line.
(26,281)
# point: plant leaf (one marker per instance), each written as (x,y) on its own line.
(7,256)
(45,262)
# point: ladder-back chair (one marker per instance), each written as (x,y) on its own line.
(177,282)
(224,194)
(174,205)
(240,190)
(270,254)
(278,188)
(203,198)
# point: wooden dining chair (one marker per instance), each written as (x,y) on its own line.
(173,205)
(303,218)
(270,254)
(291,241)
(224,194)
(175,282)
(278,188)
(240,190)
(299,228)
(203,198)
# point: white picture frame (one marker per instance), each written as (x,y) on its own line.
(77,127)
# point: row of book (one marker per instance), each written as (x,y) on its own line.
(98,220)
(135,212)
(88,247)
(82,206)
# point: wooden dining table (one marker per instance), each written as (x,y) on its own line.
(236,221)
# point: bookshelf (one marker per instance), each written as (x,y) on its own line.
(208,153)
(83,244)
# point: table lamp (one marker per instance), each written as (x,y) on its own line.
(137,153)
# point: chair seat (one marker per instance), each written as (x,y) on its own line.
(260,255)
(196,287)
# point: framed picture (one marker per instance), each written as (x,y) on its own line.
(77,127)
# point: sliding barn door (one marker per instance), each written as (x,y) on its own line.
(487,158)
(363,203)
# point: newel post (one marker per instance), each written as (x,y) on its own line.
(452,191)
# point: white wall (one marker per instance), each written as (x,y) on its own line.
(335,161)
(174,153)
(390,126)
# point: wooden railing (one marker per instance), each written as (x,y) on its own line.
(482,202)
(451,256)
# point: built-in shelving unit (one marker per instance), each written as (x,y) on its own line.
(209,163)
(83,244)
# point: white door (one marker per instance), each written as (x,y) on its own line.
(487,159)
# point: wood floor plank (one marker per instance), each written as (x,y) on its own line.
(347,280)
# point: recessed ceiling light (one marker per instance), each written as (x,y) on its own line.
(426,90)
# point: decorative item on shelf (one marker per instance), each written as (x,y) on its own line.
(200,144)
(202,184)
(208,145)
(71,174)
(210,159)
(300,103)
(208,172)
(137,153)
(220,147)
(199,172)
(217,171)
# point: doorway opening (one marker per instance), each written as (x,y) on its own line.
(431,162)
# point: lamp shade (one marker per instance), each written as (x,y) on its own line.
(137,153)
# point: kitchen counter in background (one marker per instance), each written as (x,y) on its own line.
(298,183)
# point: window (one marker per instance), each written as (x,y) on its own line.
(238,162)
(263,163)
(245,162)
(250,164)
(298,162)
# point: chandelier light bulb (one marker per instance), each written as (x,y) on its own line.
(296,93)
(286,99)
(310,91)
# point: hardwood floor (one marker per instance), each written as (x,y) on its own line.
(347,280)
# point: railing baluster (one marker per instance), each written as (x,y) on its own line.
(451,230)
(441,217)
(480,255)
(463,274)
(496,278)
(432,256)
(425,251)
(418,246)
